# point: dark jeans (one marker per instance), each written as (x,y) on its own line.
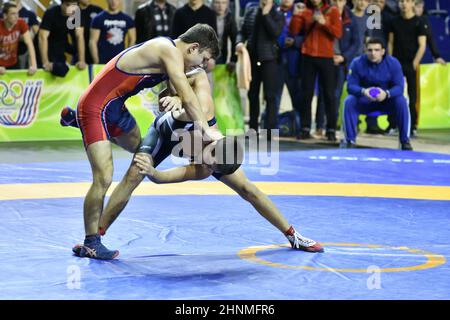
(266,73)
(410,74)
(293,84)
(320,111)
(324,67)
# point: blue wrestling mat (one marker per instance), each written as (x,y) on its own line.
(382,215)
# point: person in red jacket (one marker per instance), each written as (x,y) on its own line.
(321,24)
(13,30)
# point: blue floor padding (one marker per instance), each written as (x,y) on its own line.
(354,165)
(185,247)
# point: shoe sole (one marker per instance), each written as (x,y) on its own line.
(310,249)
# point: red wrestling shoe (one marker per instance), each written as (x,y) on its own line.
(299,242)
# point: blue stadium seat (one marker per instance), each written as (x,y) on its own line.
(437,7)
(444,5)
(430,5)
(440,26)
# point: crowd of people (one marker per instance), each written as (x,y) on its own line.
(308,45)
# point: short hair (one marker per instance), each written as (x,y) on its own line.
(62,1)
(7,6)
(225,146)
(418,2)
(205,36)
(375,40)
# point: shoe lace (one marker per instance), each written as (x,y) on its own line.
(298,240)
(92,252)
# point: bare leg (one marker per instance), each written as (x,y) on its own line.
(100,158)
(120,196)
(248,191)
(129,141)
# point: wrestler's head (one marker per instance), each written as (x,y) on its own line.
(202,45)
(224,156)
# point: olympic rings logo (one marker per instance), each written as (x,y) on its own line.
(10,94)
(20,102)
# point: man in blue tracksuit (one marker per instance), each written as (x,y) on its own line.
(375,83)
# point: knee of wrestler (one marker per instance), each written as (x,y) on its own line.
(103,180)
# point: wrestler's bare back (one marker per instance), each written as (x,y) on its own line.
(146,58)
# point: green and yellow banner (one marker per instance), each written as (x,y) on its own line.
(434,110)
(30,106)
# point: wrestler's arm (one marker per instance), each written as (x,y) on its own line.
(173,175)
(172,61)
(169,100)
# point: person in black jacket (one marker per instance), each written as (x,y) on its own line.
(154,19)
(88,12)
(420,12)
(193,12)
(226,29)
(261,28)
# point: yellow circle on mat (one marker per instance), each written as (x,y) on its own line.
(433,260)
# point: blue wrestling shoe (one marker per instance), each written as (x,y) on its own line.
(68,117)
(94,249)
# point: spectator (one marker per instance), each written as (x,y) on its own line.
(54,33)
(419,11)
(226,30)
(345,50)
(392,7)
(190,14)
(360,20)
(108,31)
(322,25)
(407,42)
(375,83)
(88,12)
(154,19)
(27,15)
(12,29)
(33,25)
(289,62)
(261,28)
(386,18)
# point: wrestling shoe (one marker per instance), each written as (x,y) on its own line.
(68,117)
(299,242)
(93,248)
